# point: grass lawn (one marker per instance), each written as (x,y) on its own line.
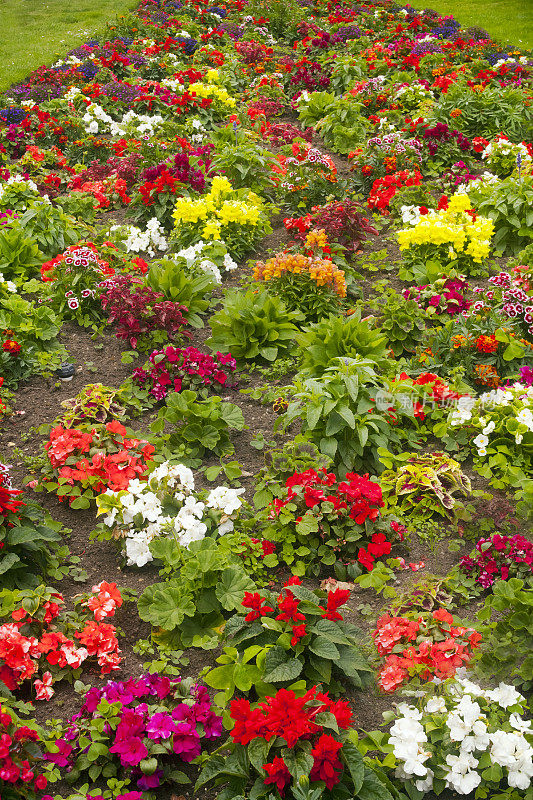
(37,32)
(508,21)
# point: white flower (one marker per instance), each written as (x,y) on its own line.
(481,441)
(505,695)
(435,704)
(225,499)
(137,551)
(489,428)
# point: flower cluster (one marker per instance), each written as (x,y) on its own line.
(444,296)
(384,189)
(499,557)
(20,756)
(334,520)
(166,504)
(154,719)
(453,233)
(290,719)
(342,221)
(323,272)
(428,646)
(45,639)
(94,459)
(462,733)
(173,369)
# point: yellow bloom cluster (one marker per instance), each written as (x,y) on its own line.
(218,209)
(456,227)
(214,92)
(320,270)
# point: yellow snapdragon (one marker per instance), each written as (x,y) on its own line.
(453,228)
(218,208)
(214,92)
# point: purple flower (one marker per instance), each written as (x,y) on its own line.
(150,781)
(212,726)
(160,726)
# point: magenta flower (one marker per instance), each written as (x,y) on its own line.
(131,751)
(186,742)
(160,726)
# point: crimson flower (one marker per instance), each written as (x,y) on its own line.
(277,773)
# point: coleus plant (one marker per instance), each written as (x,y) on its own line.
(277,639)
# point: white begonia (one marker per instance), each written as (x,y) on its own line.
(505,695)
(435,704)
(137,550)
(225,499)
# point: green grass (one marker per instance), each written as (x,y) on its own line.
(37,32)
(509,21)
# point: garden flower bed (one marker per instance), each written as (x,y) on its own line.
(266,388)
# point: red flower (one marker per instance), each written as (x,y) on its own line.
(255,601)
(327,766)
(277,773)
(298,632)
(12,347)
(336,598)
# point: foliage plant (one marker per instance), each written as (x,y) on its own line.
(507,203)
(508,651)
(32,545)
(203,425)
(400,320)
(140,727)
(343,222)
(277,639)
(188,286)
(141,314)
(30,334)
(423,485)
(206,582)
(339,414)
(253,326)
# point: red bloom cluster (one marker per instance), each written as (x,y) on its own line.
(384,189)
(356,497)
(17,766)
(288,608)
(21,651)
(84,256)
(429,646)
(293,718)
(435,391)
(116,459)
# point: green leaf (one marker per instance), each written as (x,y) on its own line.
(354,761)
(232,585)
(373,788)
(323,648)
(281,666)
